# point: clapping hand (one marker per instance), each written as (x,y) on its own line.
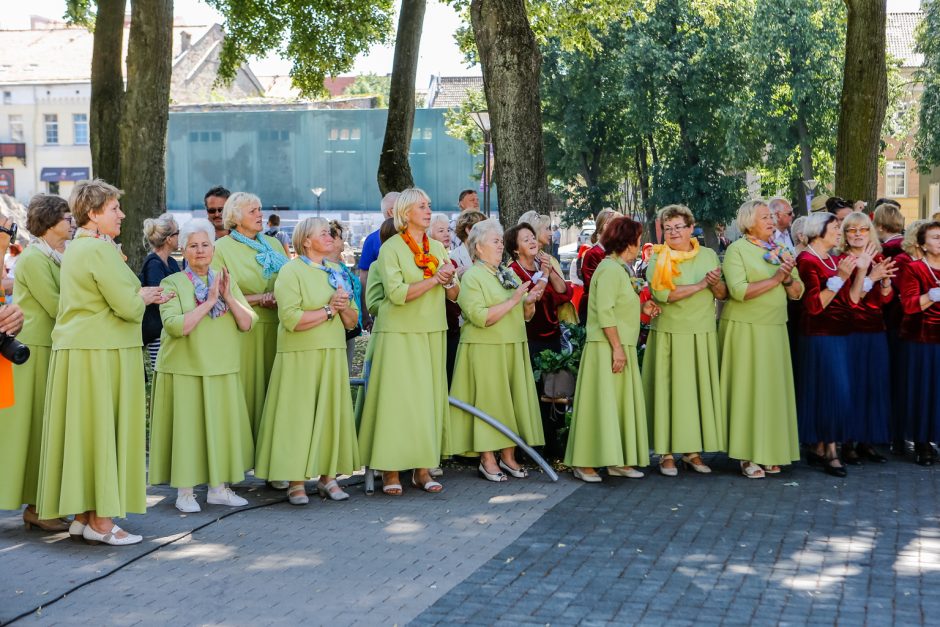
(339,301)
(786,268)
(535,294)
(214,289)
(864,260)
(445,274)
(521,291)
(887,269)
(847,266)
(225,285)
(545,264)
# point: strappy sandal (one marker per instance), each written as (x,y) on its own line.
(752,470)
(430,486)
(391,489)
(772,469)
(695,462)
(297,495)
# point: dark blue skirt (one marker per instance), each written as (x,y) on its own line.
(922,391)
(823,390)
(871,388)
(896,366)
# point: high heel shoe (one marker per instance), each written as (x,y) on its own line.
(698,466)
(668,472)
(496,477)
(518,473)
(331,490)
(595,478)
(836,471)
(53,525)
(297,495)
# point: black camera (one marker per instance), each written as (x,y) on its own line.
(13,350)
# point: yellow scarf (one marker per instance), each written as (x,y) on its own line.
(667,265)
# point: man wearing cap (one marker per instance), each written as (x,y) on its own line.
(783,216)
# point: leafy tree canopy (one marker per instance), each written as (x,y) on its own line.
(927,141)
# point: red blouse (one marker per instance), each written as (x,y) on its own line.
(592,259)
(891,248)
(908,324)
(916,280)
(544,324)
(837,317)
(868,315)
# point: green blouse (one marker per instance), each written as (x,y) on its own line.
(36,286)
(212,348)
(246,271)
(425,314)
(300,288)
(695,314)
(744,264)
(613,303)
(99,303)
(480,290)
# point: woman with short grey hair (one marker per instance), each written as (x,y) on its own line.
(161,234)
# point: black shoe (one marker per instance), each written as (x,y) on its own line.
(923,454)
(815,460)
(836,471)
(871,453)
(899,448)
(850,455)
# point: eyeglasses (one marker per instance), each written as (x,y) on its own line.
(173,234)
(788,213)
(675,229)
(862,230)
(213,211)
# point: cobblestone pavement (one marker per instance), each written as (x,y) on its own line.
(694,550)
(795,549)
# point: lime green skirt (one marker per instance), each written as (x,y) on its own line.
(22,431)
(199,430)
(308,427)
(497,379)
(757,392)
(406,401)
(683,397)
(608,427)
(258,349)
(93,455)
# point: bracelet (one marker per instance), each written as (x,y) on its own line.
(788,283)
(451,285)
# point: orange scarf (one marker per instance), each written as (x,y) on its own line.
(667,265)
(6,376)
(423,258)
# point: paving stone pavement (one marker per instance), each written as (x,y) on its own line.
(369,560)
(794,549)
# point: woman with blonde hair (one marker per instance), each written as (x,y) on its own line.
(162,236)
(403,417)
(680,367)
(308,428)
(93,449)
(253,261)
(756,383)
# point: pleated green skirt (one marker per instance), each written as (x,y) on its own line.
(683,396)
(22,431)
(258,349)
(497,379)
(199,430)
(308,428)
(403,418)
(93,455)
(608,427)
(757,392)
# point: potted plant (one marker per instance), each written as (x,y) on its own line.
(557,370)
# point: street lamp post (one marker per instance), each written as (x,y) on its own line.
(810,189)
(317,191)
(482,120)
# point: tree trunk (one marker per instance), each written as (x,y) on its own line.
(863,102)
(146,112)
(394,173)
(511,62)
(806,159)
(107,90)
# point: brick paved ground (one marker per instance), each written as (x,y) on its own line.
(692,550)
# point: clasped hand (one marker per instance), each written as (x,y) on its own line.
(445,274)
(339,301)
(155,295)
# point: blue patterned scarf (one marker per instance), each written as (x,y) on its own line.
(269,259)
(202,293)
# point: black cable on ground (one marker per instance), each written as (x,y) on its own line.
(123,565)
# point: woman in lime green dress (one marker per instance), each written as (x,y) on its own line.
(36,286)
(680,367)
(93,450)
(609,423)
(308,428)
(406,401)
(199,426)
(253,261)
(754,351)
(492,370)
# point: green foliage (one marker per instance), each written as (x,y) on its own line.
(549,361)
(320,37)
(459,125)
(927,141)
(80,13)
(371,85)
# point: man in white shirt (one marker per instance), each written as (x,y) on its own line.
(783,217)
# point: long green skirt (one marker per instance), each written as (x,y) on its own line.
(199,430)
(22,431)
(683,397)
(258,349)
(496,378)
(403,418)
(308,428)
(609,423)
(93,454)
(757,392)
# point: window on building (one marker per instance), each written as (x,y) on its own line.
(7,97)
(345,134)
(16,129)
(205,136)
(273,135)
(896,178)
(80,123)
(54,187)
(51,121)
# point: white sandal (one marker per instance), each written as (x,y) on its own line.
(752,470)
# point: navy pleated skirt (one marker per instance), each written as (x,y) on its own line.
(870,380)
(922,391)
(896,367)
(823,391)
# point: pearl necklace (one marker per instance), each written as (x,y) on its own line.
(833,267)
(935,279)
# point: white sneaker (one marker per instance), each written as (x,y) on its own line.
(187,504)
(225,497)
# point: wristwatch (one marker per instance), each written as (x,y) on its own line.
(329,312)
(10,231)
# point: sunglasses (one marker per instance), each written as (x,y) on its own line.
(213,211)
(863,230)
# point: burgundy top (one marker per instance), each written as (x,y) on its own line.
(544,324)
(908,324)
(452,311)
(868,314)
(592,258)
(891,248)
(836,318)
(916,280)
